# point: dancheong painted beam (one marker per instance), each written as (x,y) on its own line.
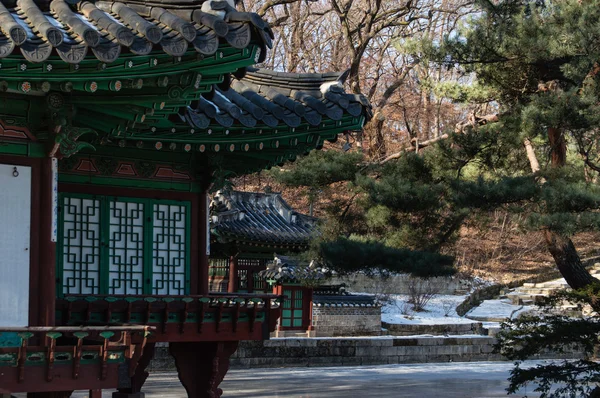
(187,318)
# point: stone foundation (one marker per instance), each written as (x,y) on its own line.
(360,351)
(437,330)
(329,321)
(374,351)
(162,361)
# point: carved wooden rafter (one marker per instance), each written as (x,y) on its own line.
(66,142)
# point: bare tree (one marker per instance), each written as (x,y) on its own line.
(366,37)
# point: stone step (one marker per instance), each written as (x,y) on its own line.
(523,299)
(538,291)
(492,331)
(553,284)
(545,287)
(434,330)
(560,283)
(488,318)
(514,298)
(572,313)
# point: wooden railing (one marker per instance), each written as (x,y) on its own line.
(39,359)
(216,317)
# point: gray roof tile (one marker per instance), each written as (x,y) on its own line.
(38,29)
(259,218)
(265,96)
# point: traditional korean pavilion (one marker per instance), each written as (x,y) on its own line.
(115,120)
(247,229)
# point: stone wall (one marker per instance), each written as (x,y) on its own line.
(359,351)
(162,361)
(369,351)
(438,330)
(477,297)
(395,284)
(330,321)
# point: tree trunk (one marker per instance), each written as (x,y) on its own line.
(558,147)
(533,162)
(426,99)
(568,261)
(595,393)
(374,133)
(380,144)
(562,248)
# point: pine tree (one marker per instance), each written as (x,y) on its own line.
(392,218)
(538,62)
(530,335)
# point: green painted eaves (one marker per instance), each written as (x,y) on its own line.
(29,149)
(128,66)
(129,183)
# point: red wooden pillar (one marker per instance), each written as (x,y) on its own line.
(95,394)
(139,377)
(204,245)
(43,253)
(201,366)
(278,290)
(307,307)
(232,285)
(47,248)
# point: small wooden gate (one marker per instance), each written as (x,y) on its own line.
(296,309)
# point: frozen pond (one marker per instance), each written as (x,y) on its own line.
(448,380)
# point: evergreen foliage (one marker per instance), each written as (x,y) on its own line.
(372,257)
(530,335)
(320,169)
(536,63)
(393,218)
(538,60)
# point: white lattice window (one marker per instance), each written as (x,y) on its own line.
(123,246)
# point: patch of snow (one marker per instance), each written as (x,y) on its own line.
(449,336)
(489,325)
(399,311)
(497,310)
(557,282)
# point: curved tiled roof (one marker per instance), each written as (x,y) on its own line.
(272,98)
(291,269)
(348,300)
(263,218)
(337,296)
(108,28)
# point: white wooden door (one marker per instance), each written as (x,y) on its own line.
(15,225)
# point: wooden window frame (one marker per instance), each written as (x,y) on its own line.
(194,263)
